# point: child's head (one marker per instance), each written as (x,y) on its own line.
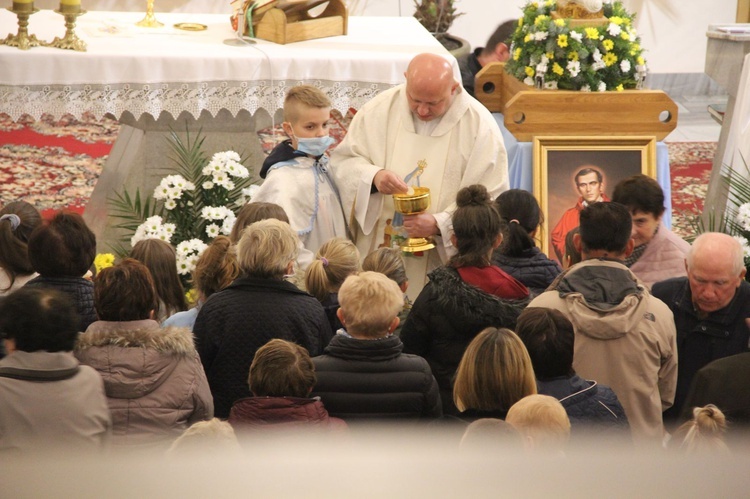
(281,368)
(490,436)
(62,247)
(704,433)
(306,114)
(370,303)
(125,292)
(572,255)
(17,221)
(521,217)
(390,262)
(217,267)
(255,212)
(161,260)
(213,437)
(336,260)
(542,421)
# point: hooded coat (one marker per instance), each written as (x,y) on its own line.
(153,379)
(624,337)
(445,317)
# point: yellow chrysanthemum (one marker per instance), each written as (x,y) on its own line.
(540,19)
(517,54)
(560,22)
(620,88)
(592,33)
(641,60)
(529,71)
(549,3)
(103,260)
(624,35)
(609,58)
(191,297)
(562,40)
(616,20)
(608,44)
(527,38)
(557,69)
(520,21)
(550,55)
(573,55)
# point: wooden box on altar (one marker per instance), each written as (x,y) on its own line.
(529,111)
(293,22)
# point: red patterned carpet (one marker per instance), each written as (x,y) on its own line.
(55,164)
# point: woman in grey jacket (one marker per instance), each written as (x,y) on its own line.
(153,378)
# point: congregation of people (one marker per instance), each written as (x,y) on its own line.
(309,318)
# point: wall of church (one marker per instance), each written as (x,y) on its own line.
(673,31)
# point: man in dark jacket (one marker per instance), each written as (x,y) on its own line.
(549,338)
(363,374)
(497,49)
(710,306)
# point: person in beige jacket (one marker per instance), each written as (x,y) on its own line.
(624,337)
(154,381)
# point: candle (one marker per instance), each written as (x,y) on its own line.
(70,6)
(23,5)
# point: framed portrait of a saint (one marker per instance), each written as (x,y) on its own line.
(570,172)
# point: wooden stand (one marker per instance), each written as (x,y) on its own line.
(529,111)
(295,24)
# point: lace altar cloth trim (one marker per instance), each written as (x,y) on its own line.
(171,98)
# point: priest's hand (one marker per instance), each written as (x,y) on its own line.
(422,225)
(388,182)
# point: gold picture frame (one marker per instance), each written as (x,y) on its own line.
(558,160)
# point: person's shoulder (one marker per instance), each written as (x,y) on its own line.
(665,288)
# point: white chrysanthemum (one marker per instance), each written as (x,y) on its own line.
(169,228)
(574,68)
(598,65)
(550,85)
(183,266)
(539,36)
(745,246)
(529,81)
(183,248)
(249,192)
(743,216)
(576,35)
(625,66)
(174,193)
(597,55)
(161,191)
(613,29)
(212,230)
(585,88)
(170,204)
(602,87)
(228,224)
(208,185)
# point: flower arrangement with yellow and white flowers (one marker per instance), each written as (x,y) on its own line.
(555,53)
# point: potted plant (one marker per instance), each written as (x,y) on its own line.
(437,17)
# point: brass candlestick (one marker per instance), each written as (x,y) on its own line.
(22,39)
(70,41)
(150,20)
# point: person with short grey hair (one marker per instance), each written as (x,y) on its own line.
(710,306)
(257,307)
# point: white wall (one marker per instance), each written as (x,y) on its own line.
(673,31)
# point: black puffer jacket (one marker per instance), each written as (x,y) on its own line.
(590,406)
(446,316)
(243,317)
(80,290)
(372,379)
(534,270)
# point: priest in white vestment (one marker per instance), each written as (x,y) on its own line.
(429,119)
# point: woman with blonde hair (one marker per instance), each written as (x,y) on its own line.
(217,267)
(161,260)
(704,433)
(257,307)
(494,373)
(336,260)
(390,262)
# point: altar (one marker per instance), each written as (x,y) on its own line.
(155,80)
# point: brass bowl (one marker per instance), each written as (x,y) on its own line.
(408,204)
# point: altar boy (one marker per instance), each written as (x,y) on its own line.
(296,172)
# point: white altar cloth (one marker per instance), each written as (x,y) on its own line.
(155,70)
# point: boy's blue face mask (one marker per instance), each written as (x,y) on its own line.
(314,146)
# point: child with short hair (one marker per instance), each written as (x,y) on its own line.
(296,172)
